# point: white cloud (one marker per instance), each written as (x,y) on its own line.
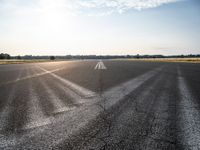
(89,7)
(121,6)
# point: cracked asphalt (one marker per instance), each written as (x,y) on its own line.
(135,105)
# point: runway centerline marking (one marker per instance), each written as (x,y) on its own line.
(100,66)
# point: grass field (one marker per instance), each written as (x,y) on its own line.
(188,60)
(15,61)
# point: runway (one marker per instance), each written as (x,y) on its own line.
(100,104)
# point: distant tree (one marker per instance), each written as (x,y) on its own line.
(27,57)
(4,56)
(18,57)
(137,56)
(52,57)
(7,56)
(128,56)
(68,57)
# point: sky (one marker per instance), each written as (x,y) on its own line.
(101,27)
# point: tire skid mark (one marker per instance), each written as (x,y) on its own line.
(189,117)
(158,132)
(144,106)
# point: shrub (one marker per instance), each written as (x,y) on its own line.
(52,57)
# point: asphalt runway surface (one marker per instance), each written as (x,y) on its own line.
(100,105)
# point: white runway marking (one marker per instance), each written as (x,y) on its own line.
(31,76)
(189,116)
(100,66)
(76,88)
(77,99)
(7,109)
(114,94)
(57,103)
(36,116)
(80,117)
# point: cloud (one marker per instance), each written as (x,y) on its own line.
(88,7)
(121,6)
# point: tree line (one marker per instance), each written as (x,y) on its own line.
(7,56)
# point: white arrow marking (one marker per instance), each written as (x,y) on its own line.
(100,66)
